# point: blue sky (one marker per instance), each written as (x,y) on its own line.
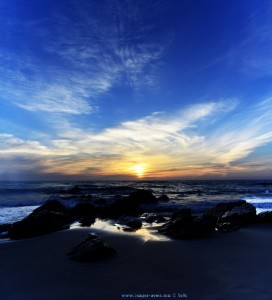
(133,89)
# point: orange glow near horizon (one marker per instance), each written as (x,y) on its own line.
(139,170)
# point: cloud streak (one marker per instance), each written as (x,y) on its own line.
(84,60)
(167,144)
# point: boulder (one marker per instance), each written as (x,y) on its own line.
(188,228)
(163,198)
(87,221)
(124,207)
(129,223)
(39,223)
(4,228)
(91,249)
(100,201)
(182,213)
(221,208)
(264,217)
(240,215)
(176,225)
(142,196)
(83,209)
(226,227)
(51,205)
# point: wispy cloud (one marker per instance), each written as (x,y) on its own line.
(167,144)
(79,57)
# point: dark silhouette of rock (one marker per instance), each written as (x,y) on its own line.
(241,215)
(227,227)
(100,201)
(142,196)
(264,217)
(87,221)
(51,205)
(221,208)
(188,227)
(91,249)
(152,218)
(163,198)
(124,207)
(83,209)
(176,225)
(4,228)
(129,223)
(39,223)
(182,213)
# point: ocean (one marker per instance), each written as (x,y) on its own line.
(18,199)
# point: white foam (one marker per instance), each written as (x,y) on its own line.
(13,214)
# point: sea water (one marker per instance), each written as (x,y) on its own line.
(18,199)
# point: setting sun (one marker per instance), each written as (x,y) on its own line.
(139,170)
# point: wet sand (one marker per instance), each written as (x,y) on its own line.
(232,266)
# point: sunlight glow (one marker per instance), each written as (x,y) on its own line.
(139,170)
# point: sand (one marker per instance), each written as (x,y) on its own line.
(226,266)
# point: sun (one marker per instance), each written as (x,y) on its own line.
(139,170)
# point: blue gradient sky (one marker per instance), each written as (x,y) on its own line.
(124,89)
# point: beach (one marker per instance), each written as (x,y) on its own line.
(227,266)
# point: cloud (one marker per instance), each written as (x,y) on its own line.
(167,144)
(79,57)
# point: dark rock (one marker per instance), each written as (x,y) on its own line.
(221,208)
(163,198)
(100,201)
(182,213)
(264,217)
(39,223)
(4,228)
(83,209)
(152,218)
(87,221)
(126,206)
(130,223)
(142,196)
(176,225)
(91,249)
(188,228)
(51,205)
(227,227)
(240,215)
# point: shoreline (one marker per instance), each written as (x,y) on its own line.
(226,266)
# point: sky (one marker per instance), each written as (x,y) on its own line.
(135,89)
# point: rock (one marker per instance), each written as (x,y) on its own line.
(83,209)
(51,205)
(182,213)
(188,228)
(142,196)
(87,221)
(163,198)
(240,215)
(91,249)
(39,223)
(4,228)
(130,223)
(100,201)
(152,218)
(227,227)
(122,207)
(264,217)
(221,208)
(176,225)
